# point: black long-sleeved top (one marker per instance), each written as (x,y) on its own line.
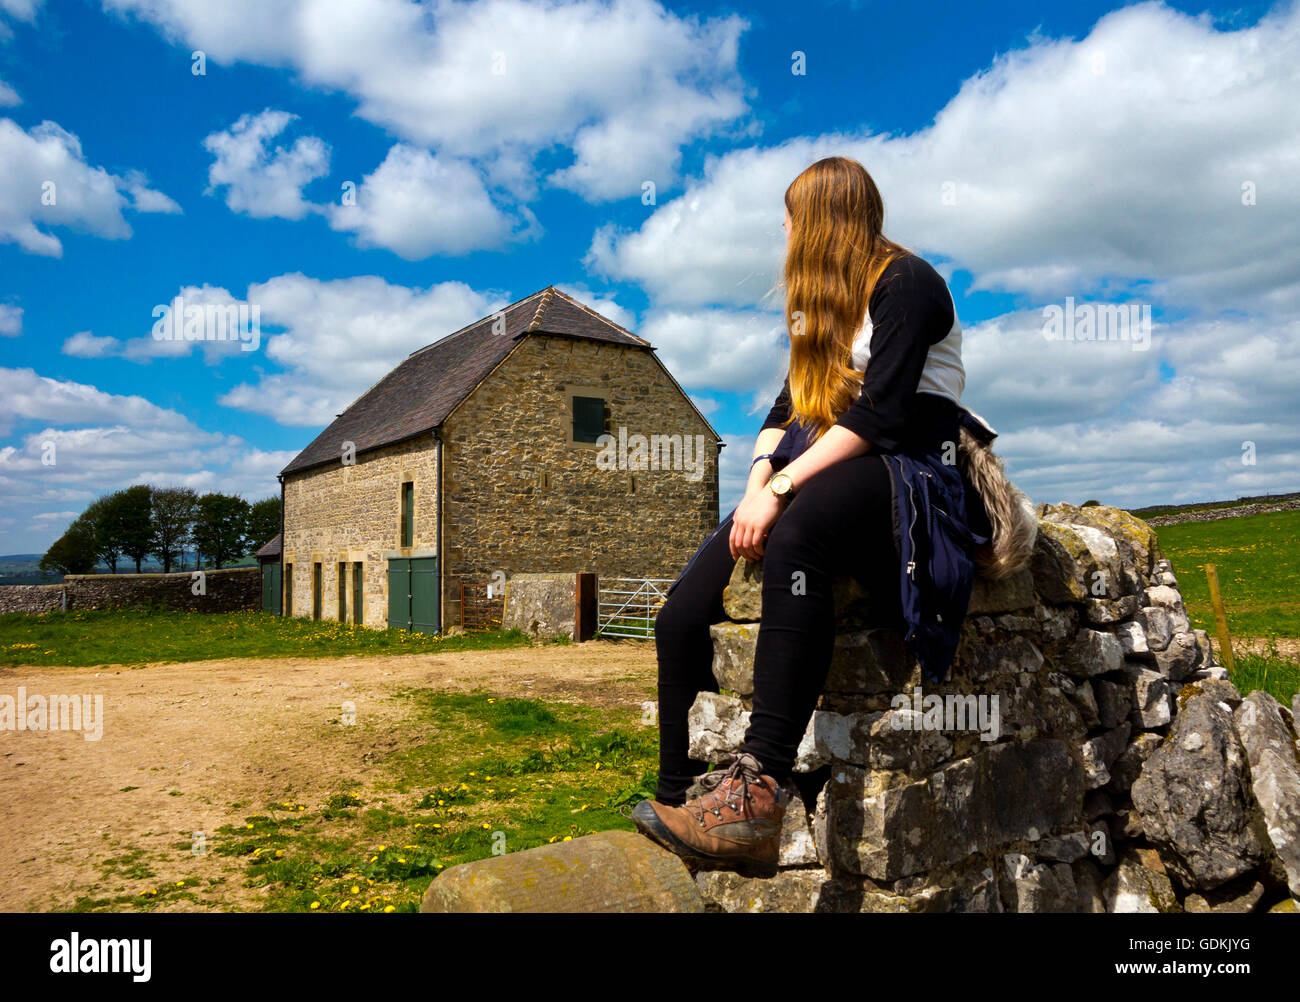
(910,310)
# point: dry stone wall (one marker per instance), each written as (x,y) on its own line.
(231,589)
(1085,754)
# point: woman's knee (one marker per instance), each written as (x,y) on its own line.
(677,617)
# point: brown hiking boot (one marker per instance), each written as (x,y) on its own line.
(735,824)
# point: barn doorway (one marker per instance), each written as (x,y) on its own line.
(271,587)
(413,594)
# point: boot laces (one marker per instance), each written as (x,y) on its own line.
(744,768)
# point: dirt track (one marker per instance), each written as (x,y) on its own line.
(195,739)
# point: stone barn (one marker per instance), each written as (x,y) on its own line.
(544,438)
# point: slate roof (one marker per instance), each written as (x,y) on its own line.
(418,395)
(271,548)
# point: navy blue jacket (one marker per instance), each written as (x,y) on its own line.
(936,521)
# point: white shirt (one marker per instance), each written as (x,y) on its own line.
(943,372)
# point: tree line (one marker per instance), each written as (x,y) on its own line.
(164,522)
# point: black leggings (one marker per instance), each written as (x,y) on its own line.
(839,522)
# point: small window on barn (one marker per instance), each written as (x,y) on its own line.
(408,513)
(588,418)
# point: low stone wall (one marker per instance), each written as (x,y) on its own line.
(231,589)
(1085,753)
(31,598)
(1214,514)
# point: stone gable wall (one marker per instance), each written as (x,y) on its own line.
(514,430)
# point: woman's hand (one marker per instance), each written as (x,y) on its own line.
(754,518)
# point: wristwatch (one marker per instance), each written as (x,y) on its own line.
(782,486)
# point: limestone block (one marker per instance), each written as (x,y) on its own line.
(613,871)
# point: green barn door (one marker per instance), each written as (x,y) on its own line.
(399,593)
(357,607)
(424,595)
(271,588)
(413,594)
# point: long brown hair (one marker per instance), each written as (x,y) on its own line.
(836,254)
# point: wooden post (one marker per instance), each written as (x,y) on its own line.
(1220,618)
(584,611)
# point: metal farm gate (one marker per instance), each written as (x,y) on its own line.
(626,607)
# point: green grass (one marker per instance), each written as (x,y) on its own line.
(85,638)
(473,772)
(1258,560)
(1277,676)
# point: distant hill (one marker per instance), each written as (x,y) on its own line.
(24,569)
(21,568)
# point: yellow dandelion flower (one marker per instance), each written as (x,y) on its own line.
(400,859)
(373,858)
(568,838)
(486,825)
(315,905)
(382,848)
(388,909)
(279,853)
(356,889)
(473,774)
(249,825)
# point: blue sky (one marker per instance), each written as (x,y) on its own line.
(1035,153)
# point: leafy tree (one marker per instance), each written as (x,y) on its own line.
(174,510)
(1090,504)
(75,552)
(221,527)
(99,517)
(129,514)
(263,522)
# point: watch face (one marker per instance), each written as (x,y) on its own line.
(780,484)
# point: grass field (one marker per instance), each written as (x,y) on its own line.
(82,639)
(1258,562)
(477,774)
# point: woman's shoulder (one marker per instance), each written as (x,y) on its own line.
(910,275)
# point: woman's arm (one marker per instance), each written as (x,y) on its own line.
(910,310)
(761,472)
(760,508)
